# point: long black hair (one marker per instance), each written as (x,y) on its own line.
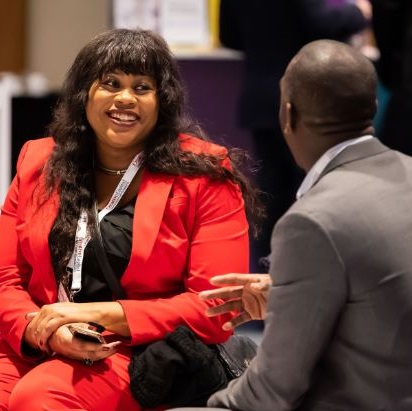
(69,170)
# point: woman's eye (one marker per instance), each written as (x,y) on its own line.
(111,83)
(143,87)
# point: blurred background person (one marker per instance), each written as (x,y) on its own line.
(270,33)
(392,24)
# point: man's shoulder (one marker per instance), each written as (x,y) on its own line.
(358,190)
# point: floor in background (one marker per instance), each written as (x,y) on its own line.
(253,329)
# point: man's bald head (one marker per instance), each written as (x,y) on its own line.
(332,87)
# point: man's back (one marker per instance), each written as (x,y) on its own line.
(363,209)
(337,332)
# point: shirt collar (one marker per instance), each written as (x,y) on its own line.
(314,173)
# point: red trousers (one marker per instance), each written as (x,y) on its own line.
(63,384)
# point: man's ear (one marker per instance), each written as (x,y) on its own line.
(292,115)
(290,118)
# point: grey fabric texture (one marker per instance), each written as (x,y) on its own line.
(337,332)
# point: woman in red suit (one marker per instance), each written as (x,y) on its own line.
(170,210)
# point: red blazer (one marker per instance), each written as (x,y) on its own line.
(185,230)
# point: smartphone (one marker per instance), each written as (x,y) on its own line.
(86,334)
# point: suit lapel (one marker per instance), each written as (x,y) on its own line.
(41,220)
(150,206)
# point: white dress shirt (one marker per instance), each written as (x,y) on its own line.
(314,173)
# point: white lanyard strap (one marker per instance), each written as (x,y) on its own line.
(80,243)
(82,233)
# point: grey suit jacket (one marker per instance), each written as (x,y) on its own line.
(338,331)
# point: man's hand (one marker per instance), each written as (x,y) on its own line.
(245,293)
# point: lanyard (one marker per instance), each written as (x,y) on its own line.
(82,233)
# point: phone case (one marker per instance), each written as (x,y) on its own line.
(86,334)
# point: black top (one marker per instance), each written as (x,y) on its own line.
(116,228)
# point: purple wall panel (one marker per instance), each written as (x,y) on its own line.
(213,88)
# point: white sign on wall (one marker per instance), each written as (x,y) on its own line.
(180,22)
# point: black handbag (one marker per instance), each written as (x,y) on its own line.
(182,371)
(236,354)
(232,356)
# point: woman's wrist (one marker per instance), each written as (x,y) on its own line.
(31,352)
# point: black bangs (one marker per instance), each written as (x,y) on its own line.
(132,52)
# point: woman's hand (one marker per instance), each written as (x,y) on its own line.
(245,293)
(50,317)
(64,343)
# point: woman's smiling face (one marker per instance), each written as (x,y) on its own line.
(122,109)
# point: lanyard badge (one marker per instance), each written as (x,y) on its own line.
(74,266)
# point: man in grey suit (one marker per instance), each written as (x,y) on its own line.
(338,319)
